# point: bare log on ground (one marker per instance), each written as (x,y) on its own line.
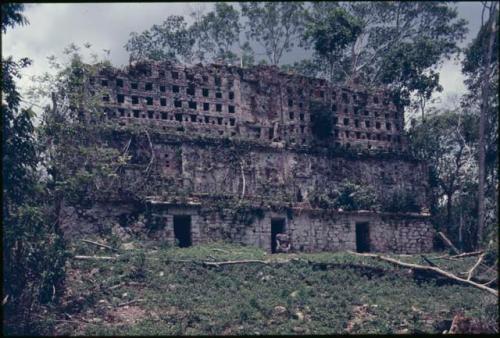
(97,258)
(119,285)
(448,242)
(235,262)
(471,271)
(99,244)
(220,250)
(428,261)
(131,302)
(490,282)
(429,268)
(467,254)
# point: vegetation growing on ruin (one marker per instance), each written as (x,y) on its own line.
(322,123)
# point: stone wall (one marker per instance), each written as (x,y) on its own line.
(260,173)
(259,103)
(309,230)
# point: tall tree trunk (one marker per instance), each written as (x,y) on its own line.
(482,121)
(448,211)
(460,233)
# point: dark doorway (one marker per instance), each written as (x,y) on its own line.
(277,226)
(182,230)
(362,237)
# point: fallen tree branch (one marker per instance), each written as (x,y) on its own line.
(467,254)
(99,244)
(131,302)
(428,268)
(235,262)
(117,286)
(471,271)
(490,282)
(445,257)
(428,261)
(152,153)
(448,242)
(220,250)
(103,258)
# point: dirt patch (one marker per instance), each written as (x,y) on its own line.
(360,314)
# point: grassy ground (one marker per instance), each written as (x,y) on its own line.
(322,293)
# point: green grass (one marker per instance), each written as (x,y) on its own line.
(188,298)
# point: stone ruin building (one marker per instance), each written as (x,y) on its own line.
(236,155)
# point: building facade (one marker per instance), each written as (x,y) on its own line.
(245,154)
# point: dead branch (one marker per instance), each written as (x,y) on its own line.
(243,180)
(429,268)
(152,152)
(220,250)
(444,257)
(428,261)
(125,150)
(492,267)
(235,262)
(467,254)
(471,271)
(448,242)
(103,258)
(117,286)
(490,282)
(99,244)
(131,302)
(5,300)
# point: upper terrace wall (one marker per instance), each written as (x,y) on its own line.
(257,103)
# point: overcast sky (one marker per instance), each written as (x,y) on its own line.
(108,25)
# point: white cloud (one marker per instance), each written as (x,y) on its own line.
(52,27)
(108,25)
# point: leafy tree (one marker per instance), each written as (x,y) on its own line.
(217,32)
(274,25)
(399,45)
(400,200)
(331,35)
(85,152)
(12,15)
(447,141)
(247,55)
(170,40)
(33,250)
(212,36)
(307,67)
(351,196)
(481,67)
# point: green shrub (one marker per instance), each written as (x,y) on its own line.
(401,201)
(322,121)
(353,196)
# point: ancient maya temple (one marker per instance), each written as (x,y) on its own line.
(235,154)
